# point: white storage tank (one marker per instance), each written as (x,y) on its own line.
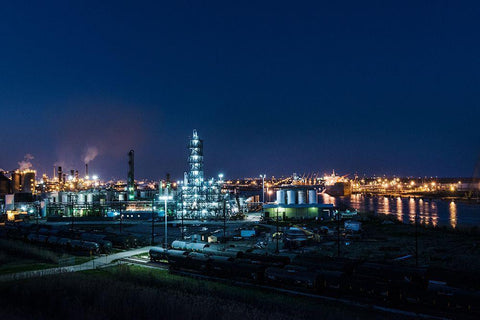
(312,197)
(89,197)
(280,196)
(290,196)
(301,197)
(121,197)
(64,197)
(43,208)
(81,198)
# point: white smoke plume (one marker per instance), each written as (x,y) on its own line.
(25,164)
(90,154)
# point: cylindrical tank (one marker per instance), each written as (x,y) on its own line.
(43,208)
(4,184)
(143,194)
(89,197)
(28,184)
(281,197)
(290,196)
(16,181)
(312,196)
(301,197)
(121,197)
(81,198)
(64,197)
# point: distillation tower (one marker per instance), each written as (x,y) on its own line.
(198,198)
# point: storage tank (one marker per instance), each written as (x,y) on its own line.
(121,197)
(280,196)
(89,197)
(81,198)
(16,182)
(64,197)
(290,196)
(4,184)
(312,197)
(28,184)
(301,197)
(43,208)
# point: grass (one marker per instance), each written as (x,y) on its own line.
(24,250)
(126,292)
(26,265)
(18,256)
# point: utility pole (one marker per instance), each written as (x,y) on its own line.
(153,224)
(277,235)
(224,221)
(71,202)
(338,233)
(416,238)
(166,219)
(121,219)
(183,236)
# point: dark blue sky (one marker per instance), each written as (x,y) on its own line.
(367,87)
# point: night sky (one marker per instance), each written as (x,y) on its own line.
(271,87)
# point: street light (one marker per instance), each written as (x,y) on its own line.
(263,176)
(166,197)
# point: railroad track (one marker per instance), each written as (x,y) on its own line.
(364,305)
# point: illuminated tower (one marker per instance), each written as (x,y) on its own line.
(198,198)
(195,160)
(131,177)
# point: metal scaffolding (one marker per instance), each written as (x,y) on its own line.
(198,198)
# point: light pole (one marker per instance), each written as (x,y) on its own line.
(166,197)
(416,238)
(153,223)
(224,221)
(263,188)
(277,235)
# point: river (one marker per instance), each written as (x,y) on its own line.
(435,212)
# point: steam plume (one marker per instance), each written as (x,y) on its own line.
(25,164)
(91,153)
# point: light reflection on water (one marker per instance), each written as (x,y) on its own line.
(412,209)
(430,211)
(453,214)
(399,209)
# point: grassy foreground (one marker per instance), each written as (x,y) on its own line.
(126,292)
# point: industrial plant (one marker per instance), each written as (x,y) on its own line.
(67,194)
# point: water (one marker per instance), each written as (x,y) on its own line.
(433,212)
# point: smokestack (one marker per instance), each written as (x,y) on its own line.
(86,169)
(60,174)
(131,176)
(76,174)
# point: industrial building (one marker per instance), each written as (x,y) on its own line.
(297,204)
(197,197)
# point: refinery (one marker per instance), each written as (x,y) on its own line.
(326,236)
(68,193)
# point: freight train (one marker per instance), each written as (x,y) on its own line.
(393,286)
(81,242)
